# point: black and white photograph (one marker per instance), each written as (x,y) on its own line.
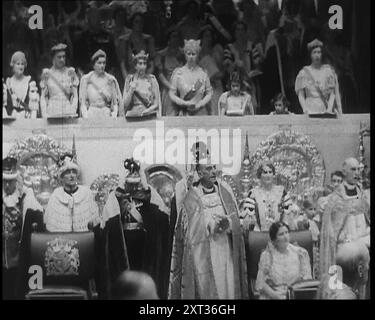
(211,150)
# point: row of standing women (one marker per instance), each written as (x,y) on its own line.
(190,89)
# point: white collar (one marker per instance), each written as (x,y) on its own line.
(11,200)
(65,198)
(350,186)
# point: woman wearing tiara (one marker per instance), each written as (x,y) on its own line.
(316,85)
(20,93)
(141,91)
(99,91)
(59,93)
(133,42)
(270,200)
(191,89)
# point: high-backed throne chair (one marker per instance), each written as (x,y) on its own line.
(299,165)
(67,261)
(300,169)
(37,158)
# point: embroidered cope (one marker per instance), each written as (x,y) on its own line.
(220,250)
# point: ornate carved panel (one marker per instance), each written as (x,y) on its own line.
(37,161)
(298,163)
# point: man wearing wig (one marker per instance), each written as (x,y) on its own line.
(208,256)
(191,89)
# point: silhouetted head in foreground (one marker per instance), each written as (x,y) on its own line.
(134,285)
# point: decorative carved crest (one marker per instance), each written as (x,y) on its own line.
(61,257)
(37,158)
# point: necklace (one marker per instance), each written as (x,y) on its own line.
(208,190)
(269,204)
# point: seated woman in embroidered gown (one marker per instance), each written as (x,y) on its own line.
(99,91)
(141,91)
(59,95)
(281,264)
(316,85)
(235,102)
(270,199)
(191,89)
(20,93)
(71,208)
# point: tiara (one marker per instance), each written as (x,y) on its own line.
(97,54)
(235,77)
(59,47)
(314,44)
(193,45)
(140,55)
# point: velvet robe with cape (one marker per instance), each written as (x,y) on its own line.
(152,249)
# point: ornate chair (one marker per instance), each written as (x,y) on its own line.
(37,159)
(298,163)
(68,264)
(257,242)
